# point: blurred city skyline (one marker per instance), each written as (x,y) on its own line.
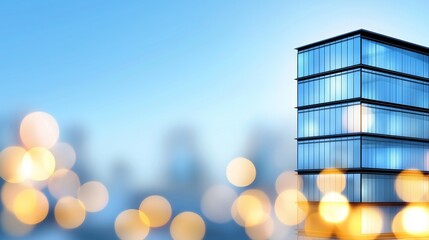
(129,74)
(158,97)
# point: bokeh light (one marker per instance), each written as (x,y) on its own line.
(241,172)
(65,155)
(288,180)
(251,208)
(411,186)
(415,220)
(39,129)
(187,226)
(9,192)
(331,180)
(351,227)
(69,212)
(363,222)
(316,226)
(12,226)
(372,221)
(94,196)
(334,207)
(157,209)
(132,224)
(291,207)
(42,163)
(261,231)
(13,168)
(64,183)
(30,206)
(217,202)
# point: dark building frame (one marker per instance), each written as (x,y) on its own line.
(372,36)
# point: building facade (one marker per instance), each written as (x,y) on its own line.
(363,108)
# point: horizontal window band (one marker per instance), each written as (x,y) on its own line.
(371,204)
(363,170)
(362,134)
(365,100)
(371,36)
(363,66)
(320,235)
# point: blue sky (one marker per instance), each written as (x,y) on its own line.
(128,72)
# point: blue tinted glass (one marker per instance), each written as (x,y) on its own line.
(338,55)
(393,58)
(344,54)
(300,94)
(356,51)
(328,121)
(322,59)
(316,60)
(391,121)
(305,63)
(333,56)
(300,65)
(391,88)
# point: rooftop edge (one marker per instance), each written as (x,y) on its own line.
(371,35)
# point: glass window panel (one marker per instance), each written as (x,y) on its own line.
(394,58)
(356,52)
(338,55)
(333,56)
(311,62)
(300,65)
(322,59)
(300,94)
(356,87)
(344,54)
(316,60)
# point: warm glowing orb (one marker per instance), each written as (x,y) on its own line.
(187,226)
(94,196)
(13,167)
(30,206)
(331,180)
(251,208)
(157,209)
(291,207)
(241,172)
(415,220)
(411,186)
(41,163)
(69,212)
(334,207)
(132,224)
(288,180)
(39,129)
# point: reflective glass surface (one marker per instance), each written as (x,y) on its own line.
(329,153)
(394,121)
(346,118)
(394,89)
(329,120)
(333,87)
(351,191)
(327,57)
(394,154)
(394,58)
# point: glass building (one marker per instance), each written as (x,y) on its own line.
(363,108)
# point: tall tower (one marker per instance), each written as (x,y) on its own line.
(363,109)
